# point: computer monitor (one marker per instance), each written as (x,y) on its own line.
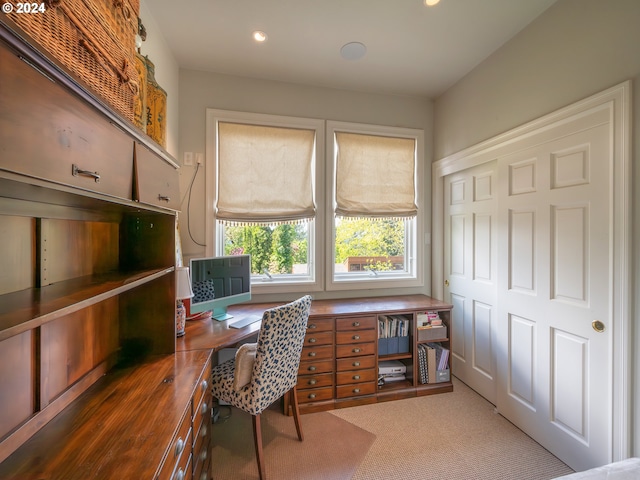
(218,282)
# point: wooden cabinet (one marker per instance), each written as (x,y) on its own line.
(87,290)
(340,359)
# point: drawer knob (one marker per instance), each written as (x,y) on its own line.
(356,324)
(163,198)
(312,368)
(203,431)
(312,340)
(312,396)
(313,382)
(204,408)
(356,377)
(356,337)
(179,474)
(356,364)
(205,385)
(179,446)
(203,454)
(312,354)
(356,350)
(313,326)
(356,390)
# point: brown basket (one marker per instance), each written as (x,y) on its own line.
(95,40)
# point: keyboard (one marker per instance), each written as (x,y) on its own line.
(243,322)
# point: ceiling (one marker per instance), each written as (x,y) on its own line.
(411,49)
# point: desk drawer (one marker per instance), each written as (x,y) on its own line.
(319,352)
(356,323)
(319,325)
(318,338)
(315,381)
(355,390)
(355,363)
(356,376)
(356,336)
(179,450)
(322,366)
(356,350)
(315,395)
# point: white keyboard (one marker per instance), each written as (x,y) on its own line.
(243,322)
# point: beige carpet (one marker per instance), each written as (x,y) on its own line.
(332,448)
(452,436)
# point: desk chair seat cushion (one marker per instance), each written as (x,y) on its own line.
(275,370)
(245,358)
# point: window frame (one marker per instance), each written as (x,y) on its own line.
(414,247)
(215,235)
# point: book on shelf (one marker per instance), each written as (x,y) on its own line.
(433,360)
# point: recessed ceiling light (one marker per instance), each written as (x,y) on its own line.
(353,51)
(259,36)
(431,3)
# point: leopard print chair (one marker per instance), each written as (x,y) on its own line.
(263,372)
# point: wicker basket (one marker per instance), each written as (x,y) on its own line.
(95,41)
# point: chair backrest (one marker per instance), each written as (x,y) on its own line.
(278,351)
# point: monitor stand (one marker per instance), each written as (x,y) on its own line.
(220,314)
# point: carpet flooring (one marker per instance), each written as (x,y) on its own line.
(452,436)
(332,448)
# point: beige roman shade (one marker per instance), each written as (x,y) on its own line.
(375,176)
(265,174)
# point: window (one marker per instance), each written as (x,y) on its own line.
(261,194)
(376,180)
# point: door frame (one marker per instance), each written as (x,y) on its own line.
(617,100)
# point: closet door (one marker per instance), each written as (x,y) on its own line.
(471,273)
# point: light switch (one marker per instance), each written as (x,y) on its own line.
(187,158)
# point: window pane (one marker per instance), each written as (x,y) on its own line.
(277,249)
(365,244)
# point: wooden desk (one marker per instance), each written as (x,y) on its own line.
(339,364)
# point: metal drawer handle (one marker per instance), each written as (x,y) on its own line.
(356,377)
(203,432)
(179,474)
(356,364)
(179,446)
(75,171)
(312,340)
(203,454)
(356,324)
(356,337)
(204,385)
(163,198)
(312,396)
(356,350)
(312,326)
(204,408)
(313,382)
(312,354)
(312,369)
(356,390)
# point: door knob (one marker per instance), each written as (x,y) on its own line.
(598,326)
(446,283)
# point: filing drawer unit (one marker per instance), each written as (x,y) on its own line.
(316,372)
(355,359)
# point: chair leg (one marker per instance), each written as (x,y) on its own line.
(257,440)
(293,398)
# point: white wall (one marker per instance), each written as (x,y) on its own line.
(166,73)
(201,90)
(575,49)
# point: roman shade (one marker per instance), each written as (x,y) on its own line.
(265,174)
(375,176)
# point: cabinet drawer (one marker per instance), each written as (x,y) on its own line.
(355,363)
(45,131)
(319,352)
(201,448)
(319,325)
(322,366)
(156,180)
(355,390)
(179,450)
(318,338)
(356,376)
(355,323)
(202,414)
(355,350)
(315,381)
(315,395)
(356,336)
